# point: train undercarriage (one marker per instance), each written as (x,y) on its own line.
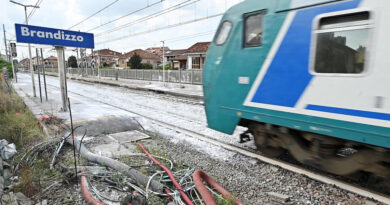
(332,155)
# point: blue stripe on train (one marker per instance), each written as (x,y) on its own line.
(288,74)
(343,111)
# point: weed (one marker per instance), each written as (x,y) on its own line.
(18,123)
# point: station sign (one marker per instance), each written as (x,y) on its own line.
(52,36)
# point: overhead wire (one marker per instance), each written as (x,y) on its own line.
(126,15)
(90,16)
(145,18)
(34,9)
(159,29)
(180,38)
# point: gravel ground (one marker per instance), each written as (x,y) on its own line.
(250,180)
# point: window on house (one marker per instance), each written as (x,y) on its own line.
(254,29)
(196,62)
(223,33)
(341,44)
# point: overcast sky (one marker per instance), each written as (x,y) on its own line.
(66,13)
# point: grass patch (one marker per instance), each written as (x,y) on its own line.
(17,124)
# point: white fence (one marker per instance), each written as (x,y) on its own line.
(173,76)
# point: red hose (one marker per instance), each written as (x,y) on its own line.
(204,192)
(167,191)
(85,191)
(177,185)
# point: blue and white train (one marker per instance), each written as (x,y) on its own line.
(311,77)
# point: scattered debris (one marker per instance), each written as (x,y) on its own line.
(7,150)
(280,198)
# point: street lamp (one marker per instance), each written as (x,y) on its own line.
(29,46)
(163,62)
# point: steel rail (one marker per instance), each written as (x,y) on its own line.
(279,163)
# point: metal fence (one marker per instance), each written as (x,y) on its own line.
(172,76)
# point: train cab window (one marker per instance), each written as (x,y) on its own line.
(223,33)
(341,44)
(254,29)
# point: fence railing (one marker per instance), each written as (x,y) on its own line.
(172,76)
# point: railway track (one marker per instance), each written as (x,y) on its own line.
(252,154)
(285,165)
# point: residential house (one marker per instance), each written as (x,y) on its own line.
(196,55)
(177,59)
(106,56)
(147,58)
(36,60)
(157,50)
(51,62)
(24,63)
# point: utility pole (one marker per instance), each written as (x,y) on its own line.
(29,45)
(163,61)
(5,44)
(44,75)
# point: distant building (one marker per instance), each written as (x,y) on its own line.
(147,58)
(25,63)
(36,61)
(51,62)
(157,50)
(106,56)
(177,59)
(196,55)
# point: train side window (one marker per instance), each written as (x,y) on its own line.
(223,33)
(254,29)
(341,43)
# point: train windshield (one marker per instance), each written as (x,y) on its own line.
(224,32)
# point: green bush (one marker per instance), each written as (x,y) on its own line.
(4,63)
(147,66)
(167,67)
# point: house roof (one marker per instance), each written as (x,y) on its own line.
(142,53)
(107,52)
(200,47)
(51,58)
(175,52)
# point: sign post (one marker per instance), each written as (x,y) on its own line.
(61,72)
(58,38)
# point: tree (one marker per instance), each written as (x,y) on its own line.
(72,61)
(135,62)
(4,63)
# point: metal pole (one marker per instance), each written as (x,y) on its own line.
(44,75)
(163,61)
(5,45)
(29,53)
(61,69)
(13,69)
(72,132)
(65,77)
(39,75)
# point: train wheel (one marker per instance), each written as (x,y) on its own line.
(265,142)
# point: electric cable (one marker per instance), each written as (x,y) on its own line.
(102,9)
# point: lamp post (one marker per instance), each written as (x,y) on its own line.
(163,62)
(29,46)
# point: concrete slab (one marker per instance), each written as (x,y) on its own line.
(130,136)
